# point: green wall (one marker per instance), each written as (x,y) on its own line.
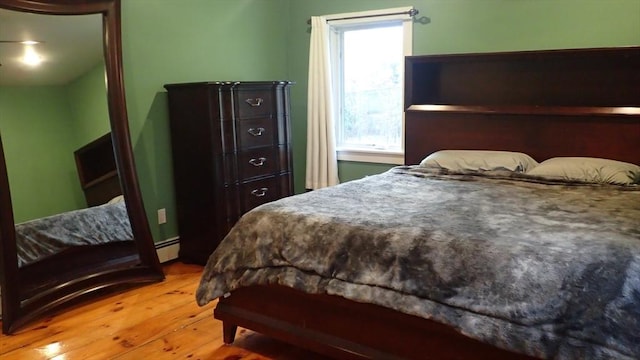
(167,41)
(41,128)
(459,26)
(171,41)
(88,102)
(38,150)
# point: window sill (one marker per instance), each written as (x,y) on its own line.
(371,156)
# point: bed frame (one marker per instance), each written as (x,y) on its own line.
(581,102)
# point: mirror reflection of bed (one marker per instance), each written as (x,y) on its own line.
(101,218)
(64,137)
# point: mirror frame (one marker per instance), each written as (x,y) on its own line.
(17,310)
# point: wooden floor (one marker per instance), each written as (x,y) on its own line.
(158,321)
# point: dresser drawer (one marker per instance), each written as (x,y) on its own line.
(254,103)
(256,132)
(257,162)
(255,193)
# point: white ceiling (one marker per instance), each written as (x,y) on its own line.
(72,44)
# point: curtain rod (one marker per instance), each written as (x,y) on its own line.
(410,12)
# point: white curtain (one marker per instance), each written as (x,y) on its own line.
(322,164)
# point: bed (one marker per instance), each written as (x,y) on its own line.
(70,243)
(496,273)
(41,238)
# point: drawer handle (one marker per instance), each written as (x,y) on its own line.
(257,162)
(256,131)
(259,192)
(255,102)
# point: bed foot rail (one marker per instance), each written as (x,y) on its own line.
(345,329)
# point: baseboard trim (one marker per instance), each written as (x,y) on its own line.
(168,249)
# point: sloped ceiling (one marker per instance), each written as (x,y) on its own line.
(70,46)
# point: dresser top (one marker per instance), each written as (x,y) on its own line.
(230,83)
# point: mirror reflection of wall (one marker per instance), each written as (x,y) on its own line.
(44,121)
(41,127)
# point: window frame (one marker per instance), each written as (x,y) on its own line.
(346,21)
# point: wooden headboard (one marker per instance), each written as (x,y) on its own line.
(97,170)
(580,102)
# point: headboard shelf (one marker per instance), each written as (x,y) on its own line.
(97,170)
(608,77)
(574,102)
(538,110)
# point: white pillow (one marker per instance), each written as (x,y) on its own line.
(115,200)
(593,170)
(484,160)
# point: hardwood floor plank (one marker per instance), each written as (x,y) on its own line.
(114,313)
(156,321)
(177,344)
(107,307)
(141,334)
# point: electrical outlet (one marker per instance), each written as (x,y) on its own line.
(162,216)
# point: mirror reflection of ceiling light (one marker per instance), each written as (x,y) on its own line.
(31,57)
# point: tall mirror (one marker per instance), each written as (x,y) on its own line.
(72,220)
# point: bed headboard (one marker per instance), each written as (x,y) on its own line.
(580,102)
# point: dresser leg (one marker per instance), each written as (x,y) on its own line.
(228,332)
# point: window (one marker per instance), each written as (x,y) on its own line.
(367,59)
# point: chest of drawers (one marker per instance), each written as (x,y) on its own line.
(231,152)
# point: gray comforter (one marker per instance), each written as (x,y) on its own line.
(547,269)
(40,238)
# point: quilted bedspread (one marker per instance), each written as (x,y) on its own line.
(40,238)
(546,269)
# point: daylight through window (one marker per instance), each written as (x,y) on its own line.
(367,58)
